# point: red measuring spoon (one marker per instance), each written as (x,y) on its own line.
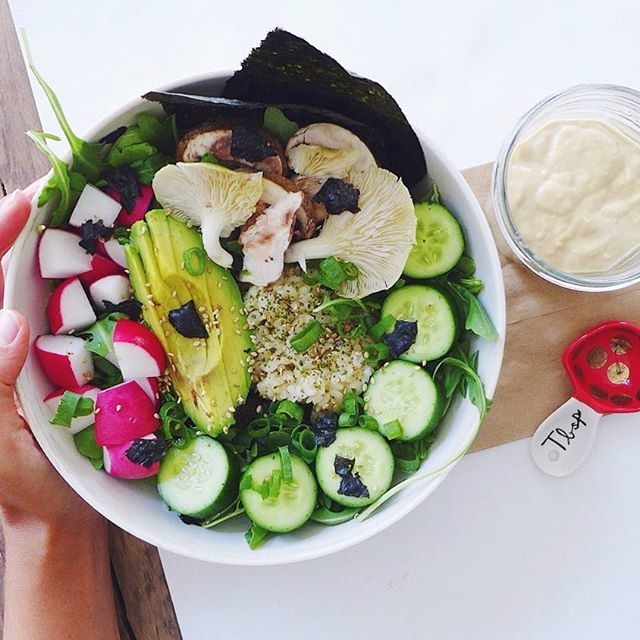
(604,368)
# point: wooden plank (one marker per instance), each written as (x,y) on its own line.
(145,607)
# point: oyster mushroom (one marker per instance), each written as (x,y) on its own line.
(211,197)
(235,147)
(377,239)
(267,234)
(325,150)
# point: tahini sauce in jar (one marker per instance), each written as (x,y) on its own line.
(573,188)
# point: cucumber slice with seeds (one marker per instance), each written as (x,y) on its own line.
(294,503)
(373,465)
(439,242)
(435,315)
(405,392)
(199,480)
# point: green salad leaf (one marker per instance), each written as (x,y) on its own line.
(256,536)
(72,405)
(276,123)
(476,318)
(85,442)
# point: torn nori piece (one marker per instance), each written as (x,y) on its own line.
(130,307)
(287,69)
(338,196)
(190,520)
(111,137)
(145,452)
(401,338)
(324,428)
(350,483)
(124,180)
(92,232)
(187,322)
(250,145)
(192,110)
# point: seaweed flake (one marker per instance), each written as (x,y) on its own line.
(401,338)
(92,232)
(130,307)
(324,428)
(146,452)
(350,483)
(338,196)
(124,180)
(250,145)
(187,322)
(112,136)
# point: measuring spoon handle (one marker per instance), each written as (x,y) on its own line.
(562,442)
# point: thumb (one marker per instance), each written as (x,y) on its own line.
(14,345)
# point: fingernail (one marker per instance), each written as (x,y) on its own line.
(9,327)
(8,201)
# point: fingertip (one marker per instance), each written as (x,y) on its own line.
(14,344)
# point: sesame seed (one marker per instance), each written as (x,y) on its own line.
(219,285)
(201,309)
(156,416)
(97,411)
(197,343)
(118,408)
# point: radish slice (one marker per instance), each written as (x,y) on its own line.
(65,360)
(77,424)
(151,387)
(60,255)
(101,267)
(141,206)
(117,464)
(115,251)
(94,205)
(69,308)
(114,289)
(124,413)
(138,351)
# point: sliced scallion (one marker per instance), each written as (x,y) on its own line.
(72,405)
(195,261)
(285,465)
(303,340)
(391,430)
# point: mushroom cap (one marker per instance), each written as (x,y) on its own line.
(209,196)
(377,239)
(327,150)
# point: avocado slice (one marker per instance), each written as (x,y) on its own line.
(167,269)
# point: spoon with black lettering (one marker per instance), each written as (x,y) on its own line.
(604,368)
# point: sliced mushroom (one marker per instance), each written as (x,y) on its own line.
(234,147)
(325,150)
(268,233)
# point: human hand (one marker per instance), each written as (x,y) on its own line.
(31,491)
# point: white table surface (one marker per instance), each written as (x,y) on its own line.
(500,550)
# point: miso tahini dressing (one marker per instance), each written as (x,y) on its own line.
(573,188)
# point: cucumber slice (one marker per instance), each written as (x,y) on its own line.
(405,392)
(199,480)
(439,242)
(435,315)
(374,465)
(294,503)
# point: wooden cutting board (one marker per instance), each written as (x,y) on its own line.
(541,319)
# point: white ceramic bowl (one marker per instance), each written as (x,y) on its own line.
(136,506)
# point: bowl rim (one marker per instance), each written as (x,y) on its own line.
(500,200)
(387,517)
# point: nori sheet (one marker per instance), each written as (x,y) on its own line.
(286,69)
(192,110)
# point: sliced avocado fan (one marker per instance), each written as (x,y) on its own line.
(168,268)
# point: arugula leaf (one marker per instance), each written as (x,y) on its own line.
(88,157)
(255,536)
(477,319)
(276,123)
(106,374)
(100,335)
(475,385)
(86,444)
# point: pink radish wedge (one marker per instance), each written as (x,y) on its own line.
(77,424)
(138,351)
(114,251)
(114,289)
(64,360)
(124,413)
(94,205)
(151,387)
(60,255)
(117,464)
(69,308)
(99,268)
(140,207)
